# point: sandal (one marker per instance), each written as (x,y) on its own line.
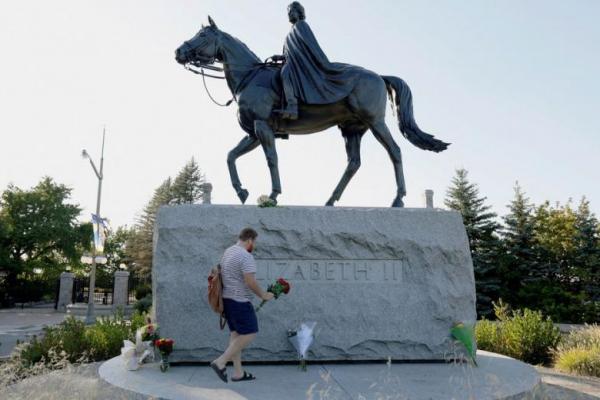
(246,377)
(220,372)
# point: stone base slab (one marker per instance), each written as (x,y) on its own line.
(497,378)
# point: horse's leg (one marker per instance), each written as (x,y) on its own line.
(247,144)
(267,139)
(352,138)
(383,135)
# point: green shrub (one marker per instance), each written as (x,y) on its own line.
(529,337)
(105,338)
(67,337)
(71,338)
(143,291)
(579,360)
(486,335)
(587,337)
(138,320)
(143,305)
(579,352)
(31,353)
(522,334)
(76,342)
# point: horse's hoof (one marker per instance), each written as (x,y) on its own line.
(243,195)
(273,197)
(398,202)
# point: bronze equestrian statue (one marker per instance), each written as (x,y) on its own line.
(330,94)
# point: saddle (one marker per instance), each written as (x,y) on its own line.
(273,81)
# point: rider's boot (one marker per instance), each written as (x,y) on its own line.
(290,112)
(291,109)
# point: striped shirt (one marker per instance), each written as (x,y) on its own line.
(236,262)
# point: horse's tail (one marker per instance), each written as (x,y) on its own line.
(408,126)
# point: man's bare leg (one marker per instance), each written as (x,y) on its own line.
(238,372)
(236,345)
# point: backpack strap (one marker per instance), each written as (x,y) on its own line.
(222,319)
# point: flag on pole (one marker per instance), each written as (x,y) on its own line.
(101,230)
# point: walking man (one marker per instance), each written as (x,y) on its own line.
(238,271)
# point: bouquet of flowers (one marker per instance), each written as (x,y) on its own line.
(135,354)
(265,201)
(301,339)
(165,347)
(280,286)
(149,332)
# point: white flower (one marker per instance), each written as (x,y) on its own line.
(265,201)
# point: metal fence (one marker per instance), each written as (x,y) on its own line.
(136,283)
(57,293)
(103,294)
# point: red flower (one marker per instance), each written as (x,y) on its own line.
(165,346)
(280,286)
(285,284)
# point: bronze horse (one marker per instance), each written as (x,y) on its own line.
(255,86)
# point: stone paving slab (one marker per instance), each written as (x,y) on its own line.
(585,385)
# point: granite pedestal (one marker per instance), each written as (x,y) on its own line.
(380,283)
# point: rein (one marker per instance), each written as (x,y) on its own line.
(239,87)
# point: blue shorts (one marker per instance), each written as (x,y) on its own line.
(241,317)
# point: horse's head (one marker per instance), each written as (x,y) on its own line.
(202,48)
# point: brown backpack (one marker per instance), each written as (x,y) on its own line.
(215,293)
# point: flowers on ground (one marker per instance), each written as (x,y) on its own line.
(265,201)
(164,346)
(149,332)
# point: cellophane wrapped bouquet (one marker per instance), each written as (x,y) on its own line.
(135,354)
(302,339)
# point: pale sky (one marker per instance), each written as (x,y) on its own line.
(512,85)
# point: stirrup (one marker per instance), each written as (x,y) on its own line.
(287,114)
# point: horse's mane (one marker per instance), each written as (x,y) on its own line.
(241,45)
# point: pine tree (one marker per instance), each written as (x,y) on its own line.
(587,255)
(187,187)
(139,246)
(519,258)
(480,224)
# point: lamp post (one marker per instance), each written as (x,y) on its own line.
(90,317)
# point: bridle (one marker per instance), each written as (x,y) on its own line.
(207,64)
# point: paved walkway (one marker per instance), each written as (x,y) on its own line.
(22,323)
(569,386)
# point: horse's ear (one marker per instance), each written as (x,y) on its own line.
(212,23)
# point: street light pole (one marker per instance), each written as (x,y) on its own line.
(90,318)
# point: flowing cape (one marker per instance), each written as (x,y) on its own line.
(314,78)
